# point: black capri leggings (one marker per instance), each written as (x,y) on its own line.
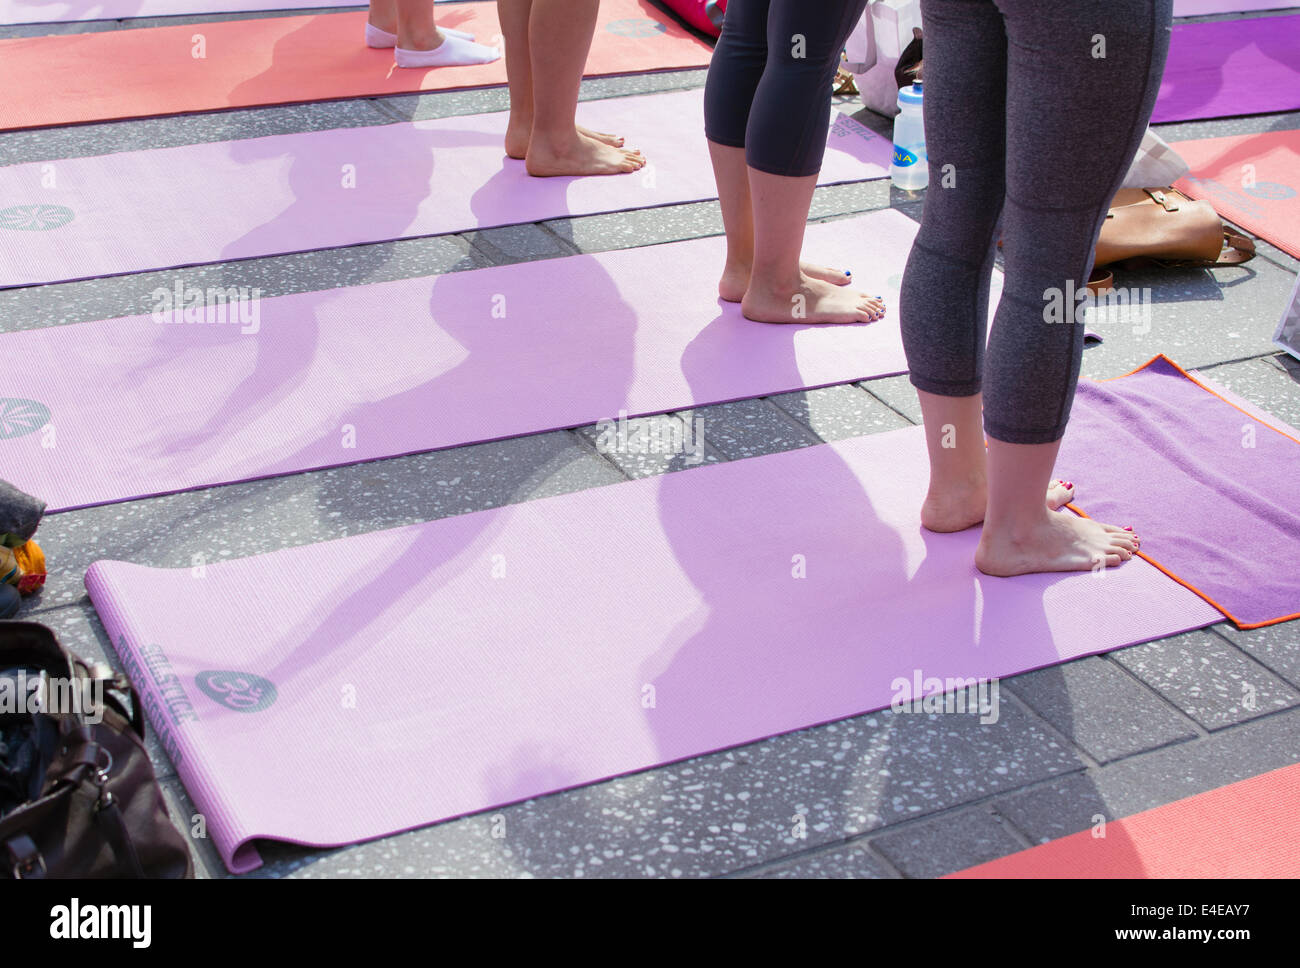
(1034,110)
(769,84)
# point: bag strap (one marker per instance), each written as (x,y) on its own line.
(1239,248)
(116,833)
(24,859)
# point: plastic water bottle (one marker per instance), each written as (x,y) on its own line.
(910,169)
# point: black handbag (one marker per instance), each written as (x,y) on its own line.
(78,795)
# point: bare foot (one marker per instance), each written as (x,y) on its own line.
(582,156)
(518,132)
(517,135)
(950,507)
(1055,542)
(616,140)
(735,278)
(815,301)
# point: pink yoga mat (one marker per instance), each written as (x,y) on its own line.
(1250,179)
(1230,67)
(235,200)
(131,407)
(391,680)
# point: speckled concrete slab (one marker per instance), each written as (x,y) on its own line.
(1069,804)
(1101,708)
(33,307)
(947,844)
(731,811)
(1270,382)
(1276,647)
(842,863)
(1207,679)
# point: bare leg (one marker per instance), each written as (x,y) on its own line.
(383,14)
(559,37)
(732,176)
(514,16)
(779,290)
(954,437)
(415,26)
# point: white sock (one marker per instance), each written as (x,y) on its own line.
(451,52)
(382,38)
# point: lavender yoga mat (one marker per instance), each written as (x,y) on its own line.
(1200,8)
(64,11)
(322,189)
(386,681)
(131,407)
(1209,486)
(1231,67)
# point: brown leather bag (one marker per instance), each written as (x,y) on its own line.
(98,811)
(1164,227)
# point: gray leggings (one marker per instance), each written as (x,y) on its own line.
(1034,110)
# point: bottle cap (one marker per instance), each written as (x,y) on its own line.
(910,94)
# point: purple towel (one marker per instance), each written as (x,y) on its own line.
(1210,488)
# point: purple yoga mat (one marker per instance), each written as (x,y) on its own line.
(1200,8)
(287,193)
(131,407)
(390,680)
(1212,492)
(1231,67)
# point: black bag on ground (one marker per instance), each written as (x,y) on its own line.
(78,795)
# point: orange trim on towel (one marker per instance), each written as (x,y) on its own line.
(1147,558)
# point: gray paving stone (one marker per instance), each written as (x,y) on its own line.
(1197,317)
(1100,708)
(84,140)
(1068,804)
(650,226)
(51,29)
(646,446)
(518,243)
(946,844)
(1207,679)
(1271,383)
(839,412)
(1226,127)
(446,104)
(135,23)
(748,428)
(256,517)
(897,393)
(734,810)
(1275,646)
(189,823)
(849,198)
(854,861)
(34,307)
